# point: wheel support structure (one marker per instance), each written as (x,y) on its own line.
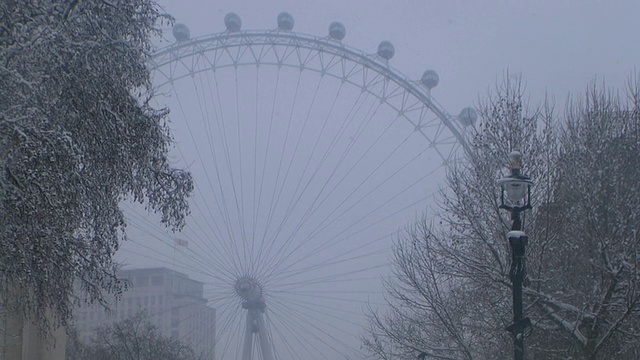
(255,327)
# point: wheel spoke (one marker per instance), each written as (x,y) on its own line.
(308,156)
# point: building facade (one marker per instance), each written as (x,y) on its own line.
(20,339)
(175,304)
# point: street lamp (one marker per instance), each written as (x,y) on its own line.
(516,198)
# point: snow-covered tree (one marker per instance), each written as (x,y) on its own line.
(77,136)
(590,287)
(450,297)
(130,339)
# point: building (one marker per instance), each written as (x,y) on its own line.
(20,338)
(174,303)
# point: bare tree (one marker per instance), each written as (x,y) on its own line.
(450,297)
(77,136)
(590,287)
(451,279)
(130,339)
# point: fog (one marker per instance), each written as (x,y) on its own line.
(304,180)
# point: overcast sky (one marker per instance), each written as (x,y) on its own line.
(557,45)
(323,280)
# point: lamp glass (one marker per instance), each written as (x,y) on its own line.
(516,191)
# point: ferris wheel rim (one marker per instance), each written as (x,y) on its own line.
(180,50)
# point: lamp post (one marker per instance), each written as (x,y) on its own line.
(516,197)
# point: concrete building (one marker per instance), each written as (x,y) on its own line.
(20,339)
(174,303)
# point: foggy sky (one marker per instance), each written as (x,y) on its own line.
(557,46)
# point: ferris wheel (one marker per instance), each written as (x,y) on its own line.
(308,157)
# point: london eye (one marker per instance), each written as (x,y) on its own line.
(308,157)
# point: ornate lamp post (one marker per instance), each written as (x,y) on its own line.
(516,198)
